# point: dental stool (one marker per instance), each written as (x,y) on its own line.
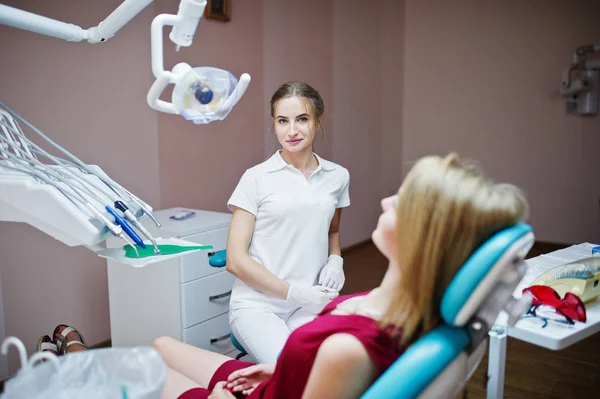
(219,259)
(440,363)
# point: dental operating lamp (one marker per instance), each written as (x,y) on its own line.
(202,95)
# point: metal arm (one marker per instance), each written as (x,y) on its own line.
(184,26)
(105,30)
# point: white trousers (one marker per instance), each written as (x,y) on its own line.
(263,332)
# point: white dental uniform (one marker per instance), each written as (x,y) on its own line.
(290,239)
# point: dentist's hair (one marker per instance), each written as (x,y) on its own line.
(446,209)
(314,101)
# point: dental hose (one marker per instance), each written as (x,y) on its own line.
(108,182)
(131,217)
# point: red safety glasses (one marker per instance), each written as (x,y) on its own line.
(570,306)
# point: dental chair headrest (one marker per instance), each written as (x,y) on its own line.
(439,363)
(481,272)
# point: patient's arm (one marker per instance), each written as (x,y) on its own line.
(241,265)
(342,369)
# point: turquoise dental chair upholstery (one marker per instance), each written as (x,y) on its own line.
(440,363)
(219,259)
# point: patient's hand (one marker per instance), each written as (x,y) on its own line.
(221,392)
(246,380)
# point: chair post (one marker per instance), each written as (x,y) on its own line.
(496,362)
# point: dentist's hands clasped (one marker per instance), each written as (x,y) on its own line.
(313,298)
(332,274)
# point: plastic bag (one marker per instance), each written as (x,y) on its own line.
(123,373)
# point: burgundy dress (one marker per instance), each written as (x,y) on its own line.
(298,355)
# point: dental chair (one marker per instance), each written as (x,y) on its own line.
(440,363)
(219,259)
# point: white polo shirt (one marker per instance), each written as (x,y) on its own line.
(293,216)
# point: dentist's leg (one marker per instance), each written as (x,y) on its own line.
(260,331)
(299,318)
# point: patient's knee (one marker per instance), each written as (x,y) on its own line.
(161,343)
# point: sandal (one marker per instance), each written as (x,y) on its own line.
(45,344)
(61,340)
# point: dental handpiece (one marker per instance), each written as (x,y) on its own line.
(146,233)
(151,216)
(126,227)
(133,220)
(116,230)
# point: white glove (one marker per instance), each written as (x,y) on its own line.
(313,298)
(332,274)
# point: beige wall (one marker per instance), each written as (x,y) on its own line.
(90,99)
(482,78)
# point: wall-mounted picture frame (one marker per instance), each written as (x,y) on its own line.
(218,9)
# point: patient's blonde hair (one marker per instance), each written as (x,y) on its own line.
(446,209)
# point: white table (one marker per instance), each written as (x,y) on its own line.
(553,336)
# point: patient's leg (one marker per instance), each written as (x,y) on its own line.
(197,364)
(176,384)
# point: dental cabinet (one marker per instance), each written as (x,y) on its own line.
(184,298)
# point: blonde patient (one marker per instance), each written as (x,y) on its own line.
(443,211)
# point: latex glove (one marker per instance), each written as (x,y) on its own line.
(246,380)
(313,298)
(220,392)
(332,274)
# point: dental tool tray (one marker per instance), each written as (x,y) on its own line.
(201,222)
(26,199)
(182,297)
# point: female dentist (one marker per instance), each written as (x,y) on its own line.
(284,244)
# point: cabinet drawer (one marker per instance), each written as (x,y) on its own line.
(195,265)
(205,298)
(213,335)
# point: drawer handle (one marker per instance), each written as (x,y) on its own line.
(219,296)
(223,338)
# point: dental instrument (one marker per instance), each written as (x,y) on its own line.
(126,227)
(202,95)
(117,231)
(57,175)
(34,192)
(116,188)
(131,217)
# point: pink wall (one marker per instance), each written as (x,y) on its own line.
(392,88)
(357,121)
(91,99)
(298,40)
(482,78)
